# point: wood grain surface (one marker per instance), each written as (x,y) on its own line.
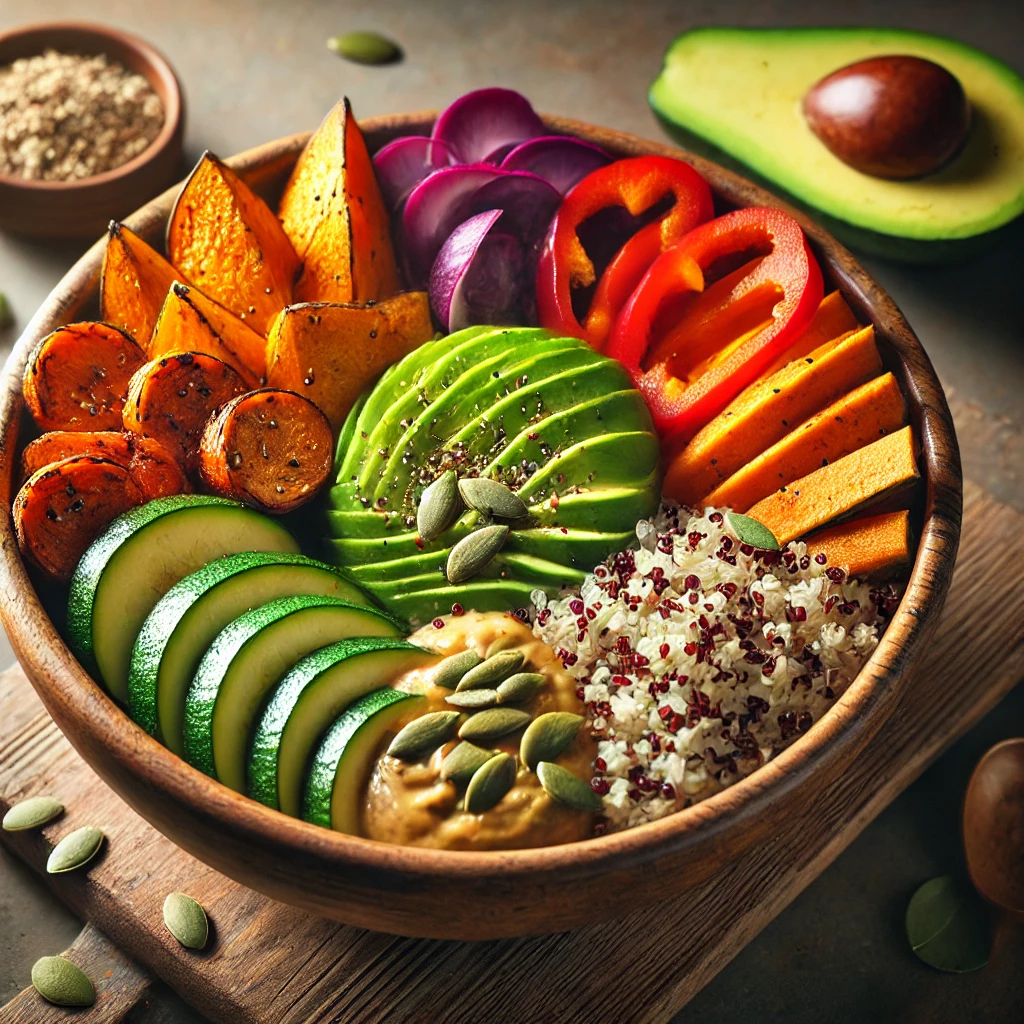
(269,963)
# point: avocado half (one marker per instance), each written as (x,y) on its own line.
(557,422)
(739,92)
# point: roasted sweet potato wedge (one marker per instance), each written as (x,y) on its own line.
(225,240)
(77,378)
(170,400)
(269,448)
(330,352)
(133,283)
(64,507)
(333,212)
(190,322)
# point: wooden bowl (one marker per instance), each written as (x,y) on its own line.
(463,895)
(83,208)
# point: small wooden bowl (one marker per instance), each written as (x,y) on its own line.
(83,208)
(461,895)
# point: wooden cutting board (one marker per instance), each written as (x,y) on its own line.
(269,964)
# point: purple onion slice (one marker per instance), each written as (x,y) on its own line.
(559,159)
(477,124)
(526,200)
(479,276)
(403,163)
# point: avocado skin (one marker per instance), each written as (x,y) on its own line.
(906,237)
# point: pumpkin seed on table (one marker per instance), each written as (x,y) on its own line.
(462,762)
(547,736)
(492,724)
(453,668)
(75,850)
(483,698)
(490,783)
(365,48)
(440,506)
(567,789)
(61,982)
(186,920)
(491,498)
(496,668)
(751,532)
(424,735)
(474,553)
(34,812)
(521,686)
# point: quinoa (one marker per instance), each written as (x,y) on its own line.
(699,658)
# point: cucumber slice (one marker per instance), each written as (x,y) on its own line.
(187,619)
(305,703)
(340,768)
(139,557)
(244,662)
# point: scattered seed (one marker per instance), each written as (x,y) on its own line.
(61,982)
(492,724)
(424,735)
(453,668)
(440,506)
(490,783)
(186,920)
(491,498)
(74,850)
(521,686)
(34,812)
(365,48)
(502,642)
(461,763)
(567,789)
(547,736)
(496,668)
(480,698)
(474,553)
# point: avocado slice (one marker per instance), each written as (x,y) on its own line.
(306,702)
(740,91)
(247,659)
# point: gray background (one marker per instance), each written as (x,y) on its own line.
(254,71)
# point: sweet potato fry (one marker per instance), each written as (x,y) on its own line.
(78,376)
(333,212)
(269,448)
(331,352)
(133,283)
(63,508)
(225,240)
(170,400)
(190,322)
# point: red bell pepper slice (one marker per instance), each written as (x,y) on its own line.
(679,408)
(637,184)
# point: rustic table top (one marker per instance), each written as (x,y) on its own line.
(253,71)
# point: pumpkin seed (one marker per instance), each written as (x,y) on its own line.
(751,532)
(461,764)
(440,505)
(492,671)
(365,48)
(490,783)
(948,926)
(186,920)
(424,735)
(6,316)
(452,669)
(480,698)
(491,498)
(74,850)
(34,812)
(502,642)
(492,724)
(567,789)
(547,736)
(61,982)
(521,686)
(474,553)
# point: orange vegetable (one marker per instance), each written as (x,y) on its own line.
(876,546)
(272,449)
(333,212)
(767,410)
(833,320)
(841,488)
(133,282)
(331,352)
(856,419)
(227,241)
(78,376)
(190,322)
(171,399)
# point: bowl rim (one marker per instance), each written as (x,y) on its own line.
(845,728)
(160,67)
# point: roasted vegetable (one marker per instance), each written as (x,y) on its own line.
(133,283)
(878,546)
(171,399)
(333,212)
(331,352)
(833,320)
(227,241)
(78,376)
(190,322)
(269,448)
